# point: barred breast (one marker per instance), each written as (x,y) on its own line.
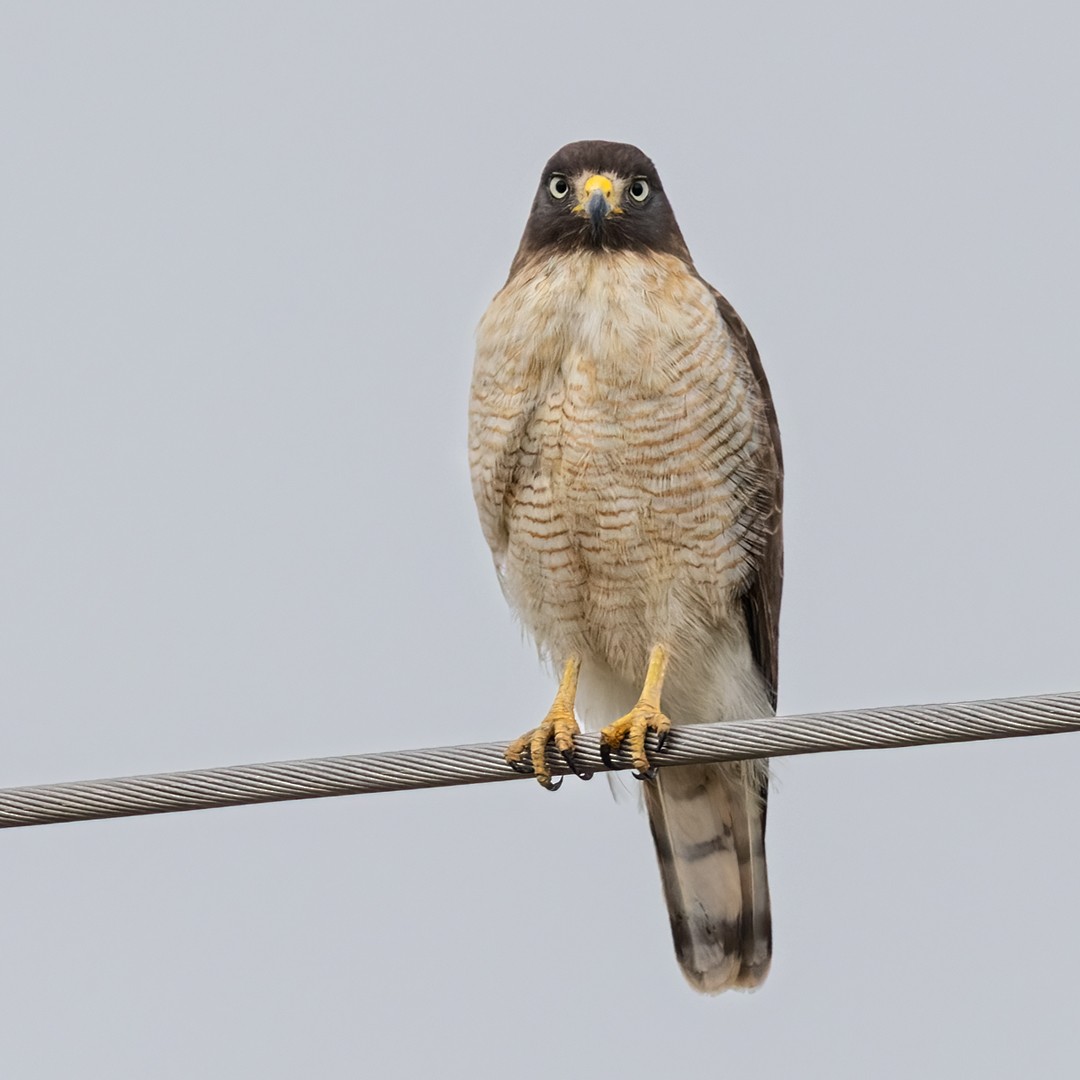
(615,440)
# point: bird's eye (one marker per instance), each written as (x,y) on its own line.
(639,191)
(558,187)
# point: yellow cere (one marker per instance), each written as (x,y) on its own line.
(601,184)
(598,184)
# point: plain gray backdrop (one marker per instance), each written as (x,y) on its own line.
(243,248)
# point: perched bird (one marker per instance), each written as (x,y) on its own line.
(626,464)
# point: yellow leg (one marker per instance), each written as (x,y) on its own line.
(559,727)
(644,717)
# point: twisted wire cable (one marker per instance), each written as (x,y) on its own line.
(359,774)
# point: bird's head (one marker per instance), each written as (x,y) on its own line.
(602,196)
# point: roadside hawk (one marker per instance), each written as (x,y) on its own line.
(626,464)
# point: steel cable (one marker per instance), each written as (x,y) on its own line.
(358,774)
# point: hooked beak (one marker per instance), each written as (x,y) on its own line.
(598,202)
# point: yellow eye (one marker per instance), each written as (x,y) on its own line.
(639,191)
(558,187)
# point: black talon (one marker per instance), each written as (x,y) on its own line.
(551,784)
(661,740)
(605,755)
(581,774)
(519,767)
(648,774)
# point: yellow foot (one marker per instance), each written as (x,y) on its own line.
(559,727)
(632,729)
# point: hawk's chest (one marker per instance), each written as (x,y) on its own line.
(619,322)
(595,362)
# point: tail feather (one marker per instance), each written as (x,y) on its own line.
(708,823)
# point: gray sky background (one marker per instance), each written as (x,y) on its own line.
(243,248)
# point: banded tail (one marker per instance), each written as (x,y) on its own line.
(708,822)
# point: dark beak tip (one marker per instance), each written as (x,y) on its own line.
(597,209)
